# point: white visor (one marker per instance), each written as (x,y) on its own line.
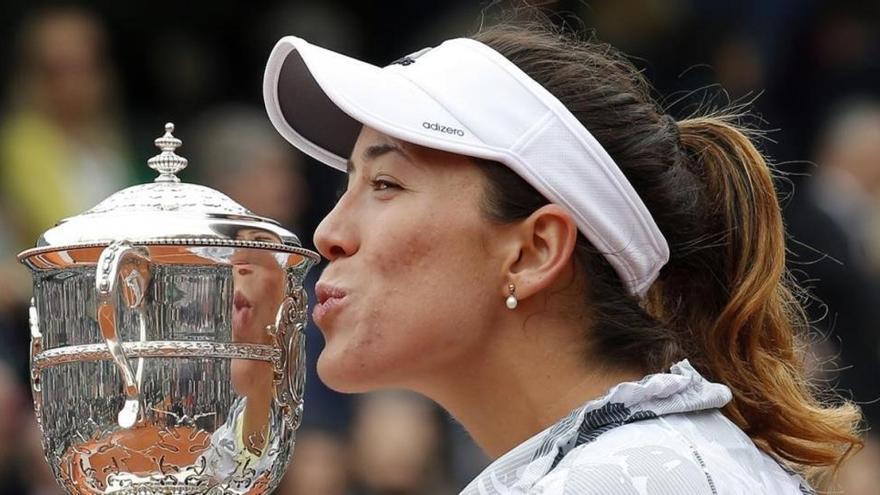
(463,97)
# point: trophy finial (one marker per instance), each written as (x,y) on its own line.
(167,163)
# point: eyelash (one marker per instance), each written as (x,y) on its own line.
(382,185)
(376,184)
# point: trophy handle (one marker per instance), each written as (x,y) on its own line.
(289,369)
(120,261)
(36,348)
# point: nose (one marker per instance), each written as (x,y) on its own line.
(336,236)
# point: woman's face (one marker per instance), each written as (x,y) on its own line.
(259,289)
(414,280)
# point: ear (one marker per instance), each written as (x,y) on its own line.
(546,241)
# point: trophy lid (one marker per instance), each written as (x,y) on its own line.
(167,211)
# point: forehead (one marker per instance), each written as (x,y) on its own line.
(419,155)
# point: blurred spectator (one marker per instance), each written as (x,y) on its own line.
(399,447)
(16,290)
(633,24)
(740,66)
(828,220)
(860,475)
(235,150)
(12,406)
(62,148)
(321,23)
(40,480)
(320,465)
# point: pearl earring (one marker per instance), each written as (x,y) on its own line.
(511,299)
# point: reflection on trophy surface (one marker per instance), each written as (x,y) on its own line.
(259,290)
(167,341)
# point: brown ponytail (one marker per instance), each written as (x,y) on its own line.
(723,300)
(745,318)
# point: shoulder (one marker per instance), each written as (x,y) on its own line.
(668,456)
(636,459)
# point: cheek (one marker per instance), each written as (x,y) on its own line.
(406,284)
(426,269)
(423,306)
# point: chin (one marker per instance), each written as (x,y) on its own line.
(344,375)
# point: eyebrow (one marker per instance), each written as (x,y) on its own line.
(375,151)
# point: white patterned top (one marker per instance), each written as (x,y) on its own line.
(663,435)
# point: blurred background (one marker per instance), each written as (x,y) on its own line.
(85,87)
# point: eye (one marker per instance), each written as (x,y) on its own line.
(383,185)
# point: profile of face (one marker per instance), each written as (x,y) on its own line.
(413,282)
(259,289)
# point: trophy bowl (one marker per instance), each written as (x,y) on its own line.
(167,341)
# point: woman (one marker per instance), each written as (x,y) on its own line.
(594,290)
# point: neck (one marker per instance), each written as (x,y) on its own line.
(524,382)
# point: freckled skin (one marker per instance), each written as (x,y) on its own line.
(416,289)
(416,263)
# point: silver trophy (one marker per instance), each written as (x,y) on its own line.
(167,341)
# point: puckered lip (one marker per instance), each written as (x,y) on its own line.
(240,301)
(325,291)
